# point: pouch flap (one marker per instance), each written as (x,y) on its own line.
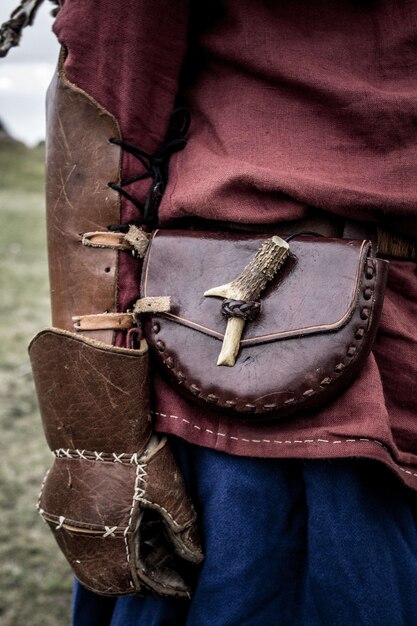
(314,292)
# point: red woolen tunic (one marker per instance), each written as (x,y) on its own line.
(296,105)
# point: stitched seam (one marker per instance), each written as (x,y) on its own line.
(94,529)
(330,377)
(108,531)
(296,441)
(38,504)
(124,458)
(138,492)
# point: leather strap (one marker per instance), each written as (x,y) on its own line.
(103,321)
(122,320)
(106,239)
(136,240)
(387,242)
(396,246)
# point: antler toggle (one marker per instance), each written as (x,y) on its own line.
(247,287)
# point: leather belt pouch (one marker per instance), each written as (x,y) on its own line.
(317,322)
(94,401)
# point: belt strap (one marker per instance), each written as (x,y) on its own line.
(396,246)
(387,243)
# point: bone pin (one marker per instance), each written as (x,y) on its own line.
(247,288)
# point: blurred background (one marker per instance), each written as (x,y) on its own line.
(35,581)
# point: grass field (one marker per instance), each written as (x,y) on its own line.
(35,580)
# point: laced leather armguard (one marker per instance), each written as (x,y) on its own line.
(114,497)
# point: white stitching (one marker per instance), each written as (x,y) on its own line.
(60,520)
(63,452)
(94,455)
(137,494)
(276,441)
(140,476)
(38,504)
(109,531)
(406,471)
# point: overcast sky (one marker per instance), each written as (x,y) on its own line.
(25,75)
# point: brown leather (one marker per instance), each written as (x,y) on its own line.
(80,162)
(135,240)
(103,321)
(396,246)
(316,326)
(109,472)
(94,378)
(106,239)
(114,497)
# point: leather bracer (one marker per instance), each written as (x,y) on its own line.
(114,497)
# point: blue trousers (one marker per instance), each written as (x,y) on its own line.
(286,542)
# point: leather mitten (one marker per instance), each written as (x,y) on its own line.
(114,497)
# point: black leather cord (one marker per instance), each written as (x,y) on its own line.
(155,166)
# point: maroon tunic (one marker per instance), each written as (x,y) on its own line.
(295,106)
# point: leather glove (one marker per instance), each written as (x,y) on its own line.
(114,497)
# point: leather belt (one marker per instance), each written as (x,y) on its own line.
(395,246)
(387,244)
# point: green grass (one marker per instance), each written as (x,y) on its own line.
(35,580)
(21,168)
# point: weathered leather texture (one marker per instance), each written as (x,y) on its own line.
(80,162)
(317,322)
(109,472)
